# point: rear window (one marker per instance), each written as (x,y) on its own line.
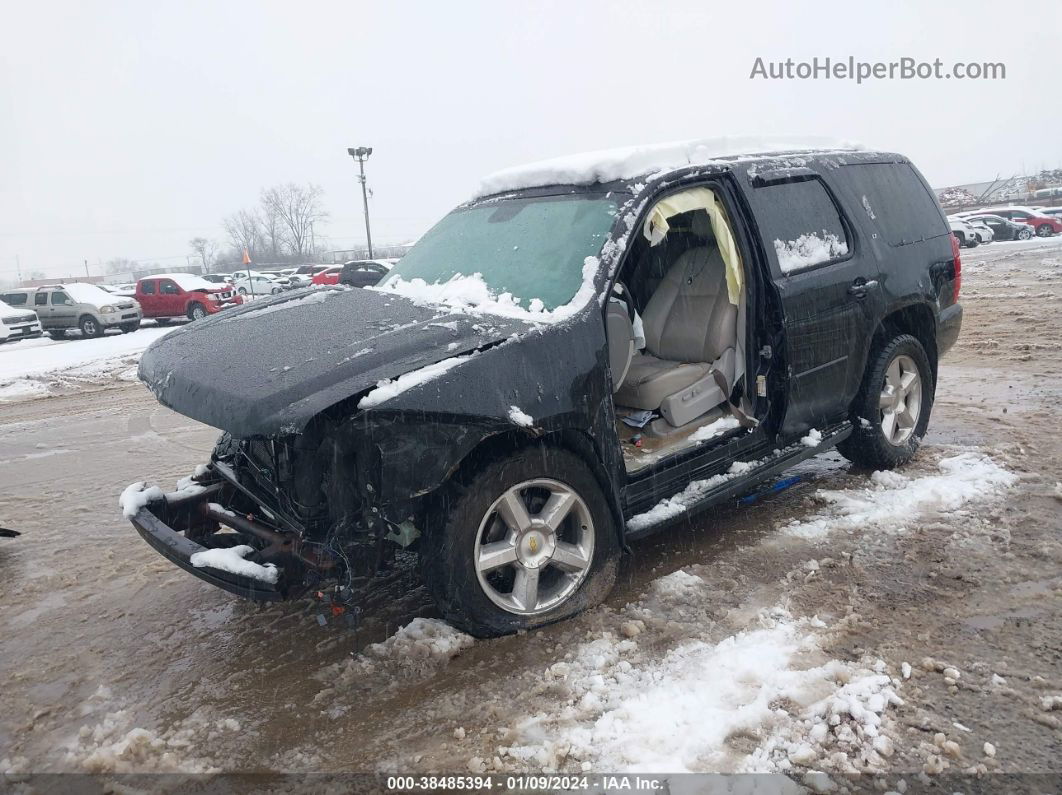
(897,202)
(802,225)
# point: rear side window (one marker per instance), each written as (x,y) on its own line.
(147,288)
(15,299)
(802,224)
(40,299)
(897,202)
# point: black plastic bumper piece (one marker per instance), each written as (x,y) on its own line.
(178,549)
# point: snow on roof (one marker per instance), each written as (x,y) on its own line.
(186,281)
(634,161)
(85,293)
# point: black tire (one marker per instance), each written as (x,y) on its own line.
(1025,234)
(973,242)
(448,543)
(1044,230)
(242,291)
(90,327)
(196,311)
(226,446)
(58,334)
(162,321)
(868,446)
(129,328)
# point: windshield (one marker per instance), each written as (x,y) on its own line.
(530,248)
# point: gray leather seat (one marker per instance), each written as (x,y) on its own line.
(690,337)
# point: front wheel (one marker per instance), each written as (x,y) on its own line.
(1044,230)
(527,541)
(242,291)
(196,312)
(973,242)
(1025,234)
(891,412)
(90,327)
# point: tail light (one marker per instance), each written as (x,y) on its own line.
(957,260)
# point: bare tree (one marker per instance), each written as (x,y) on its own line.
(121,265)
(205,250)
(297,208)
(245,231)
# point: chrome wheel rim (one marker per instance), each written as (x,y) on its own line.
(90,327)
(198,313)
(901,400)
(534,547)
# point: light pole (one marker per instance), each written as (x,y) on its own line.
(361,154)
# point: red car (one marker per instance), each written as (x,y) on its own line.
(1044,225)
(327,275)
(170,295)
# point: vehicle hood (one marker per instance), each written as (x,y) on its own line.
(268,367)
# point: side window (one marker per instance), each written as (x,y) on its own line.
(897,202)
(802,225)
(147,288)
(1017,215)
(60,299)
(167,287)
(40,299)
(15,299)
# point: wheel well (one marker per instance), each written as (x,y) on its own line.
(916,320)
(505,444)
(88,315)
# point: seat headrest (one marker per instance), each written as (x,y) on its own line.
(701,225)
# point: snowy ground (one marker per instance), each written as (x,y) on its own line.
(899,627)
(42,367)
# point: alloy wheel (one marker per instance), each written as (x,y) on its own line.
(901,400)
(534,547)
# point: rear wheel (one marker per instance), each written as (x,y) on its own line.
(242,291)
(528,541)
(58,334)
(196,311)
(90,327)
(891,411)
(162,321)
(129,328)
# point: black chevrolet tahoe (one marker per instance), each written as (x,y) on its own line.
(584,352)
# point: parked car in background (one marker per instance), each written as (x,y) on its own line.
(77,305)
(1003,228)
(18,324)
(494,448)
(329,275)
(257,284)
(1052,212)
(126,289)
(983,232)
(1043,225)
(218,278)
(964,232)
(362,273)
(168,295)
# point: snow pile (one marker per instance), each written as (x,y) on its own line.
(624,706)
(713,429)
(231,559)
(116,745)
(670,507)
(418,649)
(471,295)
(31,368)
(893,499)
(808,250)
(521,418)
(389,388)
(634,161)
(813,438)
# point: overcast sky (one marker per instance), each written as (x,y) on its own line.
(128,128)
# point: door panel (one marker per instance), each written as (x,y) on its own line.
(828,290)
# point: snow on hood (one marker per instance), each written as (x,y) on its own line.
(471,295)
(634,161)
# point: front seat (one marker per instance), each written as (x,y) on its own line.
(687,367)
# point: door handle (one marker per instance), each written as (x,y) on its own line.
(859,288)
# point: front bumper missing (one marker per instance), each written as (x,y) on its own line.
(163,523)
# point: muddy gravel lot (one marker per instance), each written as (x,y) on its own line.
(897,627)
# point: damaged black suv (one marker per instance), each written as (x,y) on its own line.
(585,351)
